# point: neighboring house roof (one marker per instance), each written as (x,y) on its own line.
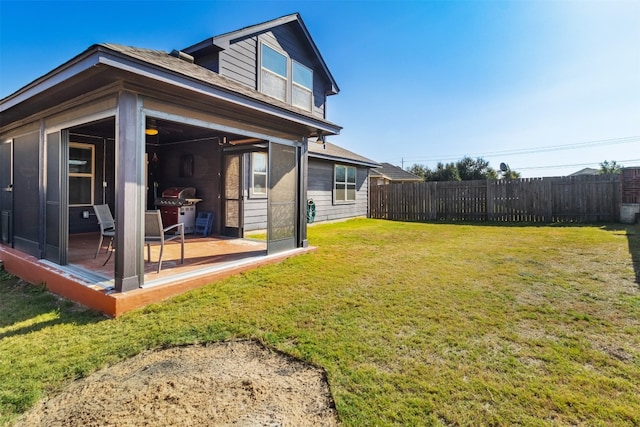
(223,41)
(585,171)
(394,173)
(163,67)
(329,151)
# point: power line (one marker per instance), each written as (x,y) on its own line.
(534,150)
(572,165)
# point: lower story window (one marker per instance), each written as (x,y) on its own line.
(345,184)
(258,175)
(81,167)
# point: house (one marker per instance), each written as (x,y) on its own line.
(121,125)
(337,187)
(387,173)
(585,171)
(338,182)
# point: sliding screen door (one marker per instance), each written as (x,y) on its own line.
(26,194)
(6,191)
(282,198)
(233,217)
(56,210)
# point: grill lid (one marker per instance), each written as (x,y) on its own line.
(179,193)
(176,196)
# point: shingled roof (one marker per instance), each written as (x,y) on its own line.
(172,63)
(394,173)
(329,151)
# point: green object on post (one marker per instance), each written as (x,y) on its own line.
(311,211)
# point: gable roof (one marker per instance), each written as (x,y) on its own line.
(394,173)
(329,151)
(222,41)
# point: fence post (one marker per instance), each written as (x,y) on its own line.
(490,199)
(549,196)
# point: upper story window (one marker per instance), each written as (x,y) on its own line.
(285,79)
(81,178)
(344,184)
(302,88)
(274,73)
(258,175)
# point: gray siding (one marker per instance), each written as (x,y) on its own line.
(239,62)
(255,209)
(255,214)
(287,38)
(320,189)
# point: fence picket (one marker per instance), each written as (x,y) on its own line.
(557,199)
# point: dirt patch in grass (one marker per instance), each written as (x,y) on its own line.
(233,383)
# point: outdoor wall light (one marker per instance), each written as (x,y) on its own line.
(320,137)
(151,129)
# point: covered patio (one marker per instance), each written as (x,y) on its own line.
(117,126)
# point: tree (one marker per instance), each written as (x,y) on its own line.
(465,169)
(509,174)
(469,169)
(610,167)
(420,170)
(444,172)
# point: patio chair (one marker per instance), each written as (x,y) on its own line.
(155,233)
(107,225)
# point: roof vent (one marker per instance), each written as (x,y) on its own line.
(181,55)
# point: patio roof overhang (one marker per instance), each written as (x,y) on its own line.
(161,75)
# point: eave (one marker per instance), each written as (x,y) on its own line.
(342,159)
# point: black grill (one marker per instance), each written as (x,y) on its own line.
(176,196)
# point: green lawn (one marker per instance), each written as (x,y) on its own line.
(415,324)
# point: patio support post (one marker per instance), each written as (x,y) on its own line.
(303,161)
(129,262)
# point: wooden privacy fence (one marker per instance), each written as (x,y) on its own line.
(559,199)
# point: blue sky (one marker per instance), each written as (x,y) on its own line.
(549,87)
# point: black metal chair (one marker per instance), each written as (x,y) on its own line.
(107,225)
(155,233)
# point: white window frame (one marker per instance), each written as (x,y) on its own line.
(289,83)
(252,190)
(302,87)
(91,175)
(285,78)
(345,184)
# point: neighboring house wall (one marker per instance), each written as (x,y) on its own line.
(320,188)
(378,180)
